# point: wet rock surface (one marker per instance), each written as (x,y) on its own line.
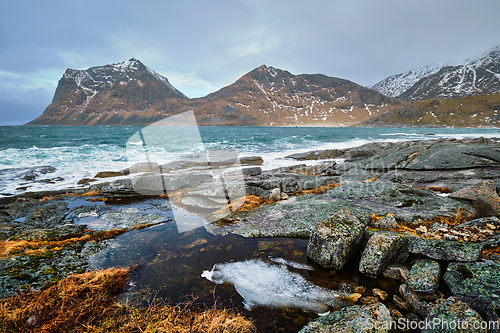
(368,318)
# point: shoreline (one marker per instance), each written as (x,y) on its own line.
(377,180)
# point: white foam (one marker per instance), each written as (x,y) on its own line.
(270,285)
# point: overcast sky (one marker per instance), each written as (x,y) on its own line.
(201,46)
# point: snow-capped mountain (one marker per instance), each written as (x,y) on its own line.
(129,93)
(271,96)
(395,85)
(123,93)
(476,76)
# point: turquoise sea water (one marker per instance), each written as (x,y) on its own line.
(81,152)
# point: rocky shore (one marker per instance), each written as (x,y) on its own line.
(423,214)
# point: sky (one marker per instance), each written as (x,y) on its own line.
(202,46)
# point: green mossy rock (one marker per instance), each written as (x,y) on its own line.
(424,276)
(334,241)
(353,319)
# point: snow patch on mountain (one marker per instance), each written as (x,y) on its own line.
(395,85)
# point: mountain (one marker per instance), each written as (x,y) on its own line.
(479,110)
(476,76)
(130,93)
(126,93)
(269,96)
(395,85)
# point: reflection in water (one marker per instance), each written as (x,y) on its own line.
(267,284)
(172,265)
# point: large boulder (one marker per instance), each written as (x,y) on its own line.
(484,197)
(424,276)
(446,250)
(334,241)
(380,251)
(476,283)
(453,315)
(485,188)
(354,319)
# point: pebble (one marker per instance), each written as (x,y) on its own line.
(368,300)
(382,295)
(400,303)
(353,298)
(360,289)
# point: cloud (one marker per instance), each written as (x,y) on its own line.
(213,43)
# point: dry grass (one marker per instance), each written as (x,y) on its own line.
(87,303)
(321,189)
(487,252)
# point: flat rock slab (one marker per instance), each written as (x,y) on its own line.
(354,319)
(453,179)
(424,276)
(446,250)
(436,155)
(297,216)
(408,204)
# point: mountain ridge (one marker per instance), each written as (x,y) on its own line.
(130,93)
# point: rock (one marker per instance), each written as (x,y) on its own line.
(275,194)
(329,153)
(353,298)
(396,272)
(353,319)
(408,204)
(368,150)
(295,217)
(85,181)
(417,305)
(446,250)
(310,155)
(202,202)
(400,303)
(379,252)
(382,295)
(476,283)
(452,315)
(487,206)
(108,174)
(254,171)
(436,155)
(284,196)
(360,289)
(368,300)
(421,230)
(424,276)
(396,315)
(328,170)
(486,188)
(481,222)
(334,241)
(453,180)
(386,223)
(252,160)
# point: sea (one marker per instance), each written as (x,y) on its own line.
(81,152)
(270,280)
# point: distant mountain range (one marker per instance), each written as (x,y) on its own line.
(476,76)
(130,93)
